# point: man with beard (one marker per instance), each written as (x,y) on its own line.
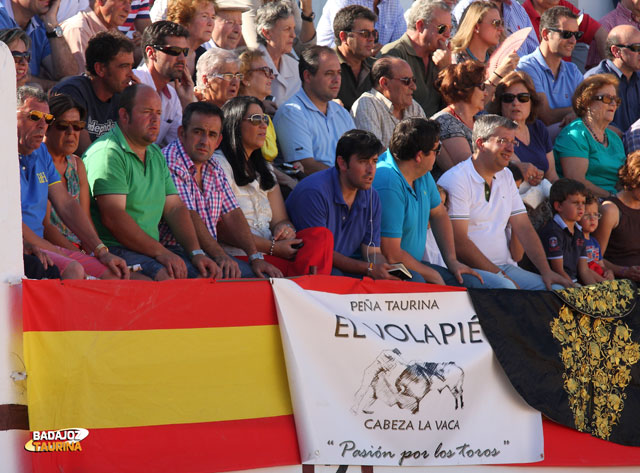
(132,189)
(342,200)
(109,59)
(165,48)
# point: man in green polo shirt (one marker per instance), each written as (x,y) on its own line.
(132,189)
(424,47)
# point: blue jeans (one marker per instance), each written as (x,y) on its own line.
(491,281)
(151,267)
(526,279)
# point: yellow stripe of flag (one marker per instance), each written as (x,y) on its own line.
(153,377)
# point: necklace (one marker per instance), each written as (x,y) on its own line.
(602,141)
(453,112)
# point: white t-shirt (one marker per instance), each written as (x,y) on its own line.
(487,220)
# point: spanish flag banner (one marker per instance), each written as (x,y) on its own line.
(185,376)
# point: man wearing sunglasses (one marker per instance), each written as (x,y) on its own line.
(627,12)
(132,190)
(109,58)
(165,48)
(50,53)
(425,48)
(389,101)
(80,28)
(310,123)
(40,183)
(623,61)
(555,80)
(483,200)
(356,38)
(591,30)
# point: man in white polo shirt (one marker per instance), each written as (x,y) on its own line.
(483,200)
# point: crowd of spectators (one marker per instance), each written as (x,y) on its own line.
(233,139)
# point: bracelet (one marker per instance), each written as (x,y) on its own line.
(273,244)
(98,248)
(498,75)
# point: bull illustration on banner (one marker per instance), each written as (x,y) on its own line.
(394,382)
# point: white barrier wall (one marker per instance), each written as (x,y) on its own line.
(11,269)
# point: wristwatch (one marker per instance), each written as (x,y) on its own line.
(255,256)
(195,253)
(56,32)
(309,18)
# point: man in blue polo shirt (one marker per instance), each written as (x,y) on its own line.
(555,80)
(342,200)
(49,50)
(309,124)
(410,201)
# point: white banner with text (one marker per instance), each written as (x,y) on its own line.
(399,380)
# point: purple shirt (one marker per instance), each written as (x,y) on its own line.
(317,201)
(215,198)
(539,145)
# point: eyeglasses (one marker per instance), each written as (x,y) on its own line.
(595,216)
(172,50)
(607,99)
(405,80)
(21,56)
(497,24)
(523,97)
(229,76)
(564,34)
(257,119)
(37,115)
(438,148)
(442,28)
(266,70)
(635,47)
(366,34)
(230,22)
(63,125)
(507,141)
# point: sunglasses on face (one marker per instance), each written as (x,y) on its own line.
(229,76)
(37,115)
(63,125)
(635,47)
(564,34)
(405,80)
(257,119)
(266,70)
(607,99)
(21,56)
(523,97)
(442,28)
(480,86)
(172,50)
(497,24)
(366,34)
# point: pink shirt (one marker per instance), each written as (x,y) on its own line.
(77,32)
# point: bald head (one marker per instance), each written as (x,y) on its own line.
(624,35)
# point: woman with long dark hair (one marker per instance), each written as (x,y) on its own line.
(243,133)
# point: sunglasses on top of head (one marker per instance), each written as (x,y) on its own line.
(564,34)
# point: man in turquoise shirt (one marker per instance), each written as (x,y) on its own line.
(410,200)
(132,189)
